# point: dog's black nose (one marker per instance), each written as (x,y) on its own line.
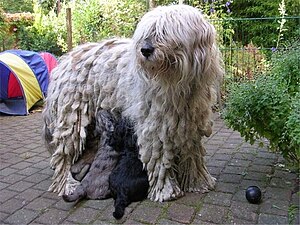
(147,50)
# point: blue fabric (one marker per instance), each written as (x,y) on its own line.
(13,106)
(4,75)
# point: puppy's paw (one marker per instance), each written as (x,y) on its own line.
(81,173)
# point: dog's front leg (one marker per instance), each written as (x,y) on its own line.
(193,175)
(163,184)
(158,158)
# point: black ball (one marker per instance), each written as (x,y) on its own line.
(253,194)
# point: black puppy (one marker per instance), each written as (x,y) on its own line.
(128,182)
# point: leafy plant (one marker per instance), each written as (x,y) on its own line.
(39,40)
(293,124)
(5,39)
(281,28)
(286,67)
(292,212)
(244,63)
(269,107)
(9,28)
(94,20)
(17,6)
(265,34)
(44,34)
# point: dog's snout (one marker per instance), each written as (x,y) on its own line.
(147,50)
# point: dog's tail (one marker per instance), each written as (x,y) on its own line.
(121,203)
(77,194)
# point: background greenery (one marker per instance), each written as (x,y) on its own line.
(269,107)
(262,9)
(17,6)
(97,19)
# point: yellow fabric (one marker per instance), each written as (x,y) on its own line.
(30,85)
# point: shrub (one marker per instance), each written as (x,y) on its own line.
(17,6)
(5,39)
(244,62)
(265,33)
(269,106)
(10,23)
(286,67)
(31,38)
(293,124)
(94,20)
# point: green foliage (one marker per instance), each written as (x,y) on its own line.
(31,38)
(293,210)
(5,40)
(50,5)
(293,124)
(269,107)
(92,20)
(258,109)
(266,32)
(286,67)
(44,34)
(262,8)
(9,27)
(47,5)
(244,62)
(16,6)
(255,8)
(95,20)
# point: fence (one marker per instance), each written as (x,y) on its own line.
(248,43)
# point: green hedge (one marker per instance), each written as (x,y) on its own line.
(91,21)
(269,107)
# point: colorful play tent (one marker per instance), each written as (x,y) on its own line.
(24,78)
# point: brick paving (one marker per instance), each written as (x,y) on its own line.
(25,177)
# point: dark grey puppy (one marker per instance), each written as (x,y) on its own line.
(129,181)
(95,176)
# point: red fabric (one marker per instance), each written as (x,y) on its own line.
(14,89)
(50,60)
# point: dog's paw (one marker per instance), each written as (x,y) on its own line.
(81,167)
(118,214)
(79,175)
(169,191)
(71,185)
(203,187)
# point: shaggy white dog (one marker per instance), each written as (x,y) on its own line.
(163,79)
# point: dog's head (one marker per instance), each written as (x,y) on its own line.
(124,135)
(105,123)
(174,41)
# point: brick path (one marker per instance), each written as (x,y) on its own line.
(25,176)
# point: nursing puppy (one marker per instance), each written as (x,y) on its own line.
(94,184)
(128,182)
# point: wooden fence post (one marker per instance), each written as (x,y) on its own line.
(152,4)
(69,28)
